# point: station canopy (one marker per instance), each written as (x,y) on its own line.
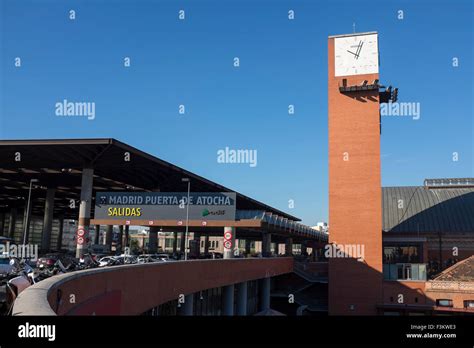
(58,163)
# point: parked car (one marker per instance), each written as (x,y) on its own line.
(5,266)
(128,259)
(107,261)
(97,256)
(161,257)
(117,260)
(145,258)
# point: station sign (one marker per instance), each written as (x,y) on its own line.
(165,206)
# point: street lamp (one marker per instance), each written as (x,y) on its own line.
(187,219)
(27,213)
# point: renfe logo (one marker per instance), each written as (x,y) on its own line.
(37,331)
(207,212)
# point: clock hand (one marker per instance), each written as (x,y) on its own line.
(359,49)
(355,54)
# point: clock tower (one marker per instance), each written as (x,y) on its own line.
(355,194)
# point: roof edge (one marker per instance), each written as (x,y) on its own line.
(353,34)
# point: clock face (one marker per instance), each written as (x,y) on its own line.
(356,55)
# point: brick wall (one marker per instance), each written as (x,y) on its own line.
(355,206)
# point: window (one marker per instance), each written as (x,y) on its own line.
(217,243)
(404,271)
(444,303)
(469,304)
(402,253)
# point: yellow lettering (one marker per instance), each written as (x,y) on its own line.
(124,211)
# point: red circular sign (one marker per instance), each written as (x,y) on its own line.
(227,244)
(80,240)
(81,232)
(180,223)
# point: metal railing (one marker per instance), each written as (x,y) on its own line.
(456,286)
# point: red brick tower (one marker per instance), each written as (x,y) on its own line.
(355,207)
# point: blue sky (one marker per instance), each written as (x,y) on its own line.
(282,62)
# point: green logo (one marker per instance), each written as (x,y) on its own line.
(205,212)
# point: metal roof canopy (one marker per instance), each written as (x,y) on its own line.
(428,209)
(58,163)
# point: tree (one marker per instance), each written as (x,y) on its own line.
(134,247)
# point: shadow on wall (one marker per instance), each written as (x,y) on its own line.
(357,289)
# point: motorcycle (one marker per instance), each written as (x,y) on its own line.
(86,262)
(22,276)
(13,283)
